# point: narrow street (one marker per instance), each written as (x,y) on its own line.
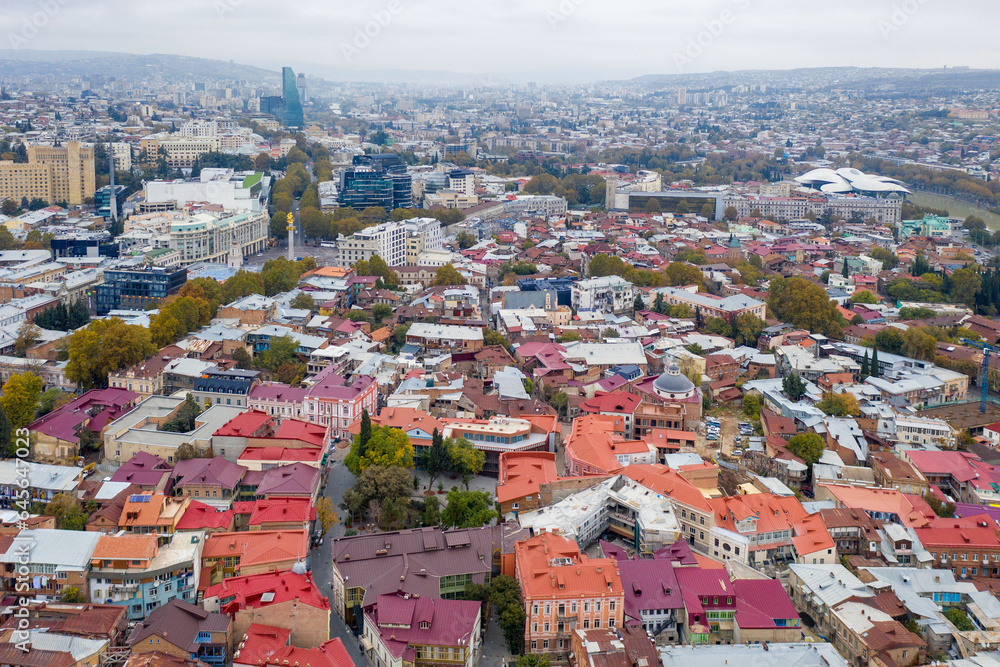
(338,482)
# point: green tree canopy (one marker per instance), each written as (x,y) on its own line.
(805,305)
(807,446)
(103,347)
(468,509)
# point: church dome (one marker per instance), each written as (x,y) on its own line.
(673,384)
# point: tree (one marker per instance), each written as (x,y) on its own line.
(465,240)
(376,486)
(243,359)
(560,401)
(942,509)
(920,266)
(465,459)
(8,447)
(638,304)
(184,421)
(659,305)
(749,327)
(432,511)
(325,514)
(752,406)
(435,458)
(243,283)
(103,347)
(72,595)
(731,214)
(388,447)
(27,334)
(53,398)
(67,512)
(793,386)
(718,326)
(805,305)
(889,340)
(505,596)
(959,619)
(365,434)
(380,311)
(839,405)
(965,285)
(280,351)
(532,660)
(865,367)
(20,398)
(303,300)
(606,265)
(864,296)
(468,509)
(493,337)
(876,368)
(807,446)
(653,206)
(887,257)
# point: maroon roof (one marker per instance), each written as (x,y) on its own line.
(100,406)
(179,623)
(423,621)
(212,472)
(296,479)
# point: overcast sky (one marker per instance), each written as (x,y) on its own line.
(539,39)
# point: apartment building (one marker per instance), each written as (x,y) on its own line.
(180,152)
(401,630)
(727,308)
(422,235)
(204,238)
(339,402)
(608,294)
(445,337)
(563,590)
(387,240)
(58,559)
(137,573)
(499,434)
(54,174)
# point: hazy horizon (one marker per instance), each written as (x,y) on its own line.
(551,40)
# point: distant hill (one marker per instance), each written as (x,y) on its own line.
(102,63)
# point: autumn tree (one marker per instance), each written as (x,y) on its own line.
(448,275)
(839,405)
(325,514)
(804,305)
(20,398)
(387,447)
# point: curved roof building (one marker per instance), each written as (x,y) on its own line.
(849,180)
(673,384)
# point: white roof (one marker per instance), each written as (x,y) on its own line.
(66,549)
(80,648)
(775,655)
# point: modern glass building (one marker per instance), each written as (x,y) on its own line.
(290,91)
(377,180)
(137,288)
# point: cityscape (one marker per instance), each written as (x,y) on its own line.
(503,335)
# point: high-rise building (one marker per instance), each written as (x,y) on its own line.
(387,240)
(54,174)
(377,180)
(290,91)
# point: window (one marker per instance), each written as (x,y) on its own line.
(516,505)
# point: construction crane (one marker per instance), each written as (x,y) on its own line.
(984,372)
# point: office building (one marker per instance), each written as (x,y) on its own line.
(137,287)
(54,174)
(292,104)
(102,200)
(246,191)
(387,240)
(376,180)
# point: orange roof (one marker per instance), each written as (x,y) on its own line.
(811,535)
(580,576)
(258,547)
(522,473)
(668,482)
(151,510)
(125,547)
(773,513)
(382,334)
(592,440)
(889,501)
(329,272)
(406,419)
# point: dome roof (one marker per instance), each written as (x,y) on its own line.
(673,382)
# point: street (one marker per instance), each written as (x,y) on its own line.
(338,482)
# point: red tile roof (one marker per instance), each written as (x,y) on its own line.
(244,425)
(249,592)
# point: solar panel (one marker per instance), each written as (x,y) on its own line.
(139,498)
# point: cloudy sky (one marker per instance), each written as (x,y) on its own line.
(524,39)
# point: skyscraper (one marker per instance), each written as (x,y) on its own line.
(290,92)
